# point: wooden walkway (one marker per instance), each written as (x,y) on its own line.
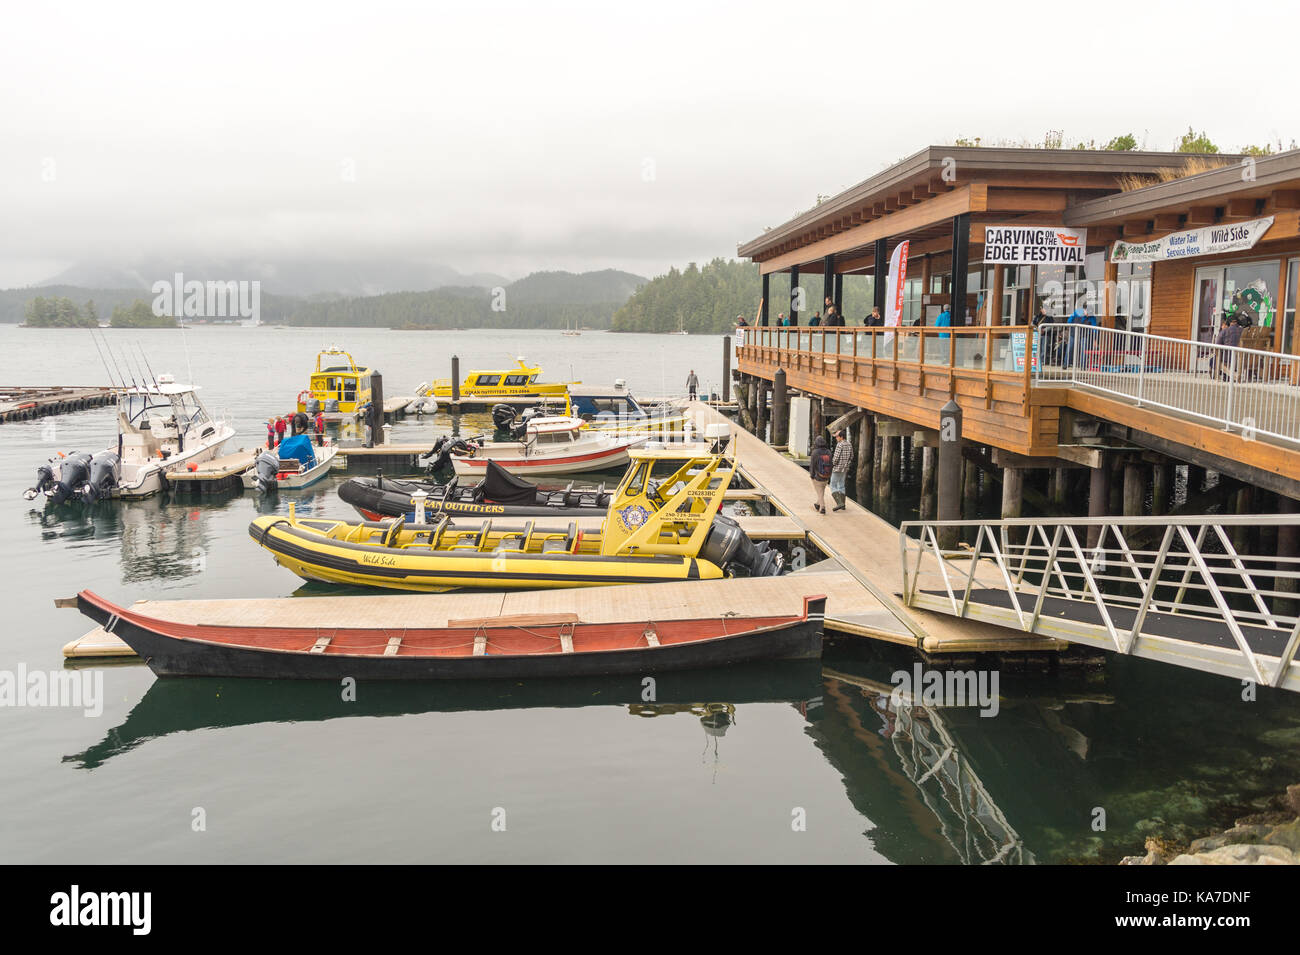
(867,547)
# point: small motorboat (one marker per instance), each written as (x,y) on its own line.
(295,463)
(612,409)
(504,647)
(162,426)
(653,531)
(499,494)
(550,445)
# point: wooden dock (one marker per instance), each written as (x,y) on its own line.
(650,602)
(219,474)
(24,402)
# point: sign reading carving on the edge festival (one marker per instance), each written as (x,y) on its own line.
(1211,240)
(1034,245)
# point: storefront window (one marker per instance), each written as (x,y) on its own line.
(1246,292)
(1133,296)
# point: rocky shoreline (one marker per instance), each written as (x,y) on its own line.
(1270,837)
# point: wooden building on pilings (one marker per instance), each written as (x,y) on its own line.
(1019,418)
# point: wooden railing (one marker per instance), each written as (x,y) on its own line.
(924,358)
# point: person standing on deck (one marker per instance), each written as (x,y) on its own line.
(740,322)
(279,430)
(815,320)
(692,384)
(320,428)
(270,433)
(1077,317)
(943,321)
(841,460)
(874,320)
(819,469)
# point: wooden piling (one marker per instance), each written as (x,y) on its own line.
(1013,492)
(1162,485)
(949,470)
(1098,496)
(726,367)
(780,410)
(885,470)
(866,447)
(928,471)
(1288,547)
(1134,488)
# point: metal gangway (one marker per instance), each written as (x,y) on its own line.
(1172,589)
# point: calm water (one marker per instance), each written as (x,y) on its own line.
(717,770)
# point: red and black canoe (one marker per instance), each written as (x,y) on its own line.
(507,647)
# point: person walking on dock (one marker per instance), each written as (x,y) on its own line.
(692,384)
(841,460)
(819,468)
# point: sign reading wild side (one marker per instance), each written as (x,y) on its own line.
(1211,240)
(1034,245)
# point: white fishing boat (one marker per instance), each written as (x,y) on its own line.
(550,445)
(162,427)
(295,463)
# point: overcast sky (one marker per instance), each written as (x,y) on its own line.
(517,136)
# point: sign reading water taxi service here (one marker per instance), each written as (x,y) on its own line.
(1034,245)
(1211,240)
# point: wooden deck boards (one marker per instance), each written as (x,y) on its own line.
(225,466)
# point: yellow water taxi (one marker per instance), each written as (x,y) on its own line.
(340,387)
(509,384)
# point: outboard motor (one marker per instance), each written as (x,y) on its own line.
(331,405)
(730,548)
(105,473)
(73,473)
(268,466)
(442,451)
(312,405)
(503,416)
(44,481)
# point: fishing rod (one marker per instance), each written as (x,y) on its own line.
(145,359)
(103,361)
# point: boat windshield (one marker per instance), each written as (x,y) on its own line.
(136,406)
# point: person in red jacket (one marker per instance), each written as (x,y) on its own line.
(279,430)
(320,428)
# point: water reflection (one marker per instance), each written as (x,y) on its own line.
(186,705)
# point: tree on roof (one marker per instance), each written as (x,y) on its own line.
(1194,142)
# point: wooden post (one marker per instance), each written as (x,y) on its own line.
(866,453)
(1056,487)
(780,410)
(885,470)
(970,490)
(1162,483)
(760,413)
(762,305)
(949,476)
(1013,492)
(995,299)
(927,483)
(1135,486)
(455,379)
(960,267)
(817,416)
(726,367)
(1245,501)
(376,408)
(1098,496)
(880,265)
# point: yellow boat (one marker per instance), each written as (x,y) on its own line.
(654,530)
(337,388)
(513,384)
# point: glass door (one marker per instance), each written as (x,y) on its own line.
(1209,302)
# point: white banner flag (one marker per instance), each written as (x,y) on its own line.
(896,284)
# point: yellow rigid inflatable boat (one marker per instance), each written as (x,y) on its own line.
(653,531)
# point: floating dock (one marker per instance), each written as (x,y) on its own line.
(23,402)
(212,477)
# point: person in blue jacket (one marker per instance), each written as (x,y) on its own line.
(944,321)
(1079,316)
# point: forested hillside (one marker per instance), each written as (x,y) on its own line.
(707,300)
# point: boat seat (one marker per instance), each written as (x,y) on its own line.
(515,543)
(473,540)
(435,534)
(555,545)
(393,531)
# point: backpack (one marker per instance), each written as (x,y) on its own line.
(821,465)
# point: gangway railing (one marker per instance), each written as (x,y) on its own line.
(1255,393)
(1175,589)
